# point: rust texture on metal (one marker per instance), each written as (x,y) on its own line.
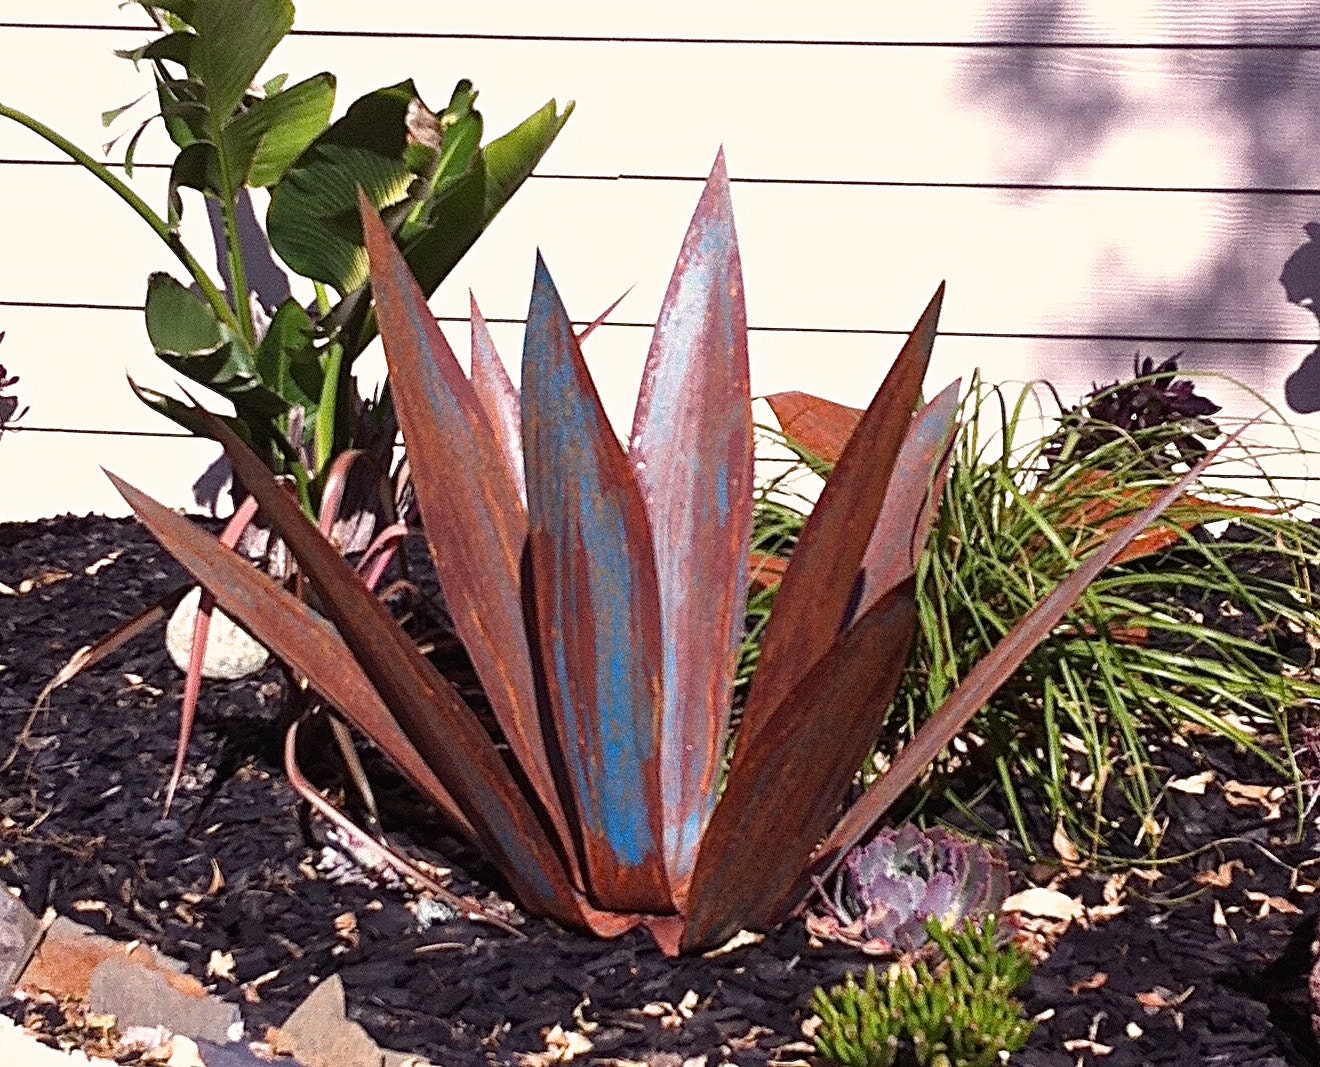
(597,613)
(691,452)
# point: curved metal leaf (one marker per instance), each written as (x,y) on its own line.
(597,613)
(475,523)
(427,707)
(498,396)
(691,453)
(296,634)
(787,781)
(818,589)
(987,676)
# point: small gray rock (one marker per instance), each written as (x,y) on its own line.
(230,652)
(20,931)
(140,996)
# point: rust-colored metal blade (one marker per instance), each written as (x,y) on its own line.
(691,451)
(815,424)
(498,396)
(814,598)
(192,679)
(428,709)
(787,781)
(474,519)
(985,678)
(295,633)
(597,613)
(912,499)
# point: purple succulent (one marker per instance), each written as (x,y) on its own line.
(1153,399)
(888,889)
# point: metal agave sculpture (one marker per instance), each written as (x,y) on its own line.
(600,592)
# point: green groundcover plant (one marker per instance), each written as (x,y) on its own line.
(600,593)
(284,367)
(1167,641)
(957,1013)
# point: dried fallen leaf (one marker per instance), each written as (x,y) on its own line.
(1094,982)
(1268,903)
(739,940)
(1267,797)
(1082,1044)
(1046,903)
(1195,783)
(1161,999)
(1064,847)
(1221,877)
(221,965)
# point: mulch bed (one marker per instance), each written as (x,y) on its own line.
(1205,965)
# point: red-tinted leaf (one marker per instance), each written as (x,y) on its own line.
(815,424)
(1106,504)
(912,499)
(442,728)
(813,601)
(597,613)
(786,783)
(765,571)
(296,634)
(470,507)
(498,396)
(691,451)
(985,678)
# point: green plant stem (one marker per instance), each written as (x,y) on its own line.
(323,438)
(237,271)
(159,226)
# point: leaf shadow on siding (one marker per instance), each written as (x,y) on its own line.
(1252,110)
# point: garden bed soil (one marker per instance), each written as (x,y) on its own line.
(1205,964)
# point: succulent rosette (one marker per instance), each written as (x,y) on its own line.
(886,890)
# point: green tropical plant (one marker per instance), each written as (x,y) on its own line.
(888,891)
(960,1013)
(600,592)
(1168,640)
(437,186)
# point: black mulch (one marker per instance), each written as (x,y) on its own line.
(1221,969)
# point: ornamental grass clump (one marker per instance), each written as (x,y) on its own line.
(1185,634)
(600,593)
(957,1013)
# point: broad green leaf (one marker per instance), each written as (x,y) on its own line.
(187,337)
(179,322)
(234,39)
(313,219)
(511,158)
(273,132)
(287,359)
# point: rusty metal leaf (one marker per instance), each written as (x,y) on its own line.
(295,633)
(475,523)
(787,781)
(691,452)
(498,395)
(912,498)
(426,706)
(990,672)
(815,424)
(596,613)
(819,587)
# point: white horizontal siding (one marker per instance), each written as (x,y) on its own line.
(1035,180)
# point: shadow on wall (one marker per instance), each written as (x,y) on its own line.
(1253,108)
(1301,285)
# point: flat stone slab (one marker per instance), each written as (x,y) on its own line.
(320,1034)
(20,931)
